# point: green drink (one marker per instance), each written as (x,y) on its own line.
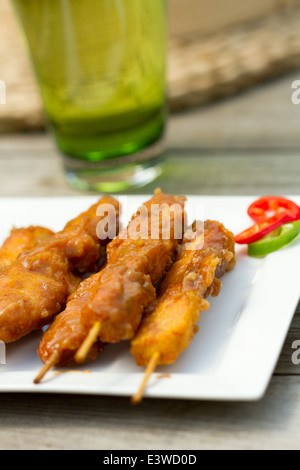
(100,66)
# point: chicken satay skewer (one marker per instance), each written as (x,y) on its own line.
(63,338)
(154,361)
(127,262)
(135,265)
(169,327)
(19,240)
(66,328)
(47,275)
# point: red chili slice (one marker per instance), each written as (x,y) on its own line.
(263,228)
(267,206)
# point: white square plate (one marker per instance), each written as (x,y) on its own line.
(236,349)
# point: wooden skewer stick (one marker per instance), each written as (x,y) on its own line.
(91,338)
(52,361)
(137,398)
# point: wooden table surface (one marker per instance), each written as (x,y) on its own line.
(246,145)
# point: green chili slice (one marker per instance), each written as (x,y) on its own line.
(275,240)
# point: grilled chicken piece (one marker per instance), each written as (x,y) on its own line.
(36,285)
(169,326)
(136,261)
(66,333)
(118,294)
(22,239)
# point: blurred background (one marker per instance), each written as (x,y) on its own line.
(218,50)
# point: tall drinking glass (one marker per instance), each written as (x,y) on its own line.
(100,67)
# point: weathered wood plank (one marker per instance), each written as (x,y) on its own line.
(285,364)
(263,117)
(30,166)
(79,422)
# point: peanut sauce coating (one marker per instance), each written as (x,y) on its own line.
(136,261)
(22,239)
(169,325)
(118,293)
(36,285)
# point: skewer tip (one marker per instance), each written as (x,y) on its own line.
(137,397)
(51,362)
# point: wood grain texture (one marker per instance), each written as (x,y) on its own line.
(36,170)
(285,364)
(246,145)
(262,117)
(78,422)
